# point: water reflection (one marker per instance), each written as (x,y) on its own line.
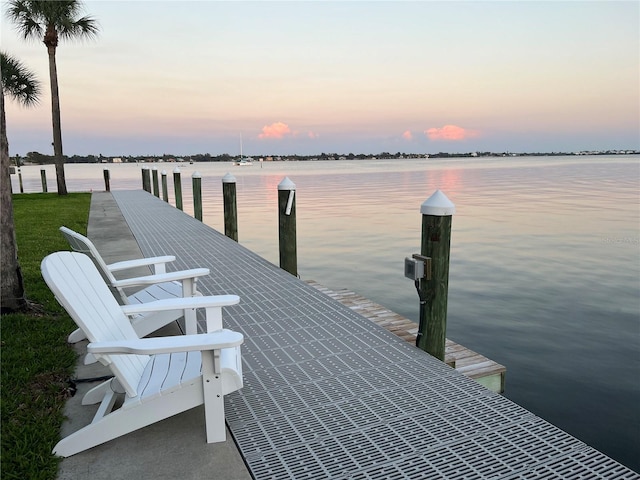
(544,271)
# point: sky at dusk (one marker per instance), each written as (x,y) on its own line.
(188,77)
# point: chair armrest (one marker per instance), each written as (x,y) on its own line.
(181,304)
(140,262)
(157,345)
(161,278)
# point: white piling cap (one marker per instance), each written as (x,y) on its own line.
(228,178)
(154,168)
(163,172)
(196,174)
(176,170)
(286,184)
(438,205)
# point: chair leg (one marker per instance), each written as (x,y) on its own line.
(190,321)
(97,393)
(89,359)
(76,336)
(213,399)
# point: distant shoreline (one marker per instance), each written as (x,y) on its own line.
(35,158)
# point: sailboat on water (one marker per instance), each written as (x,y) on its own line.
(243,161)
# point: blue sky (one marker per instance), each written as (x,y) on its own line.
(188,77)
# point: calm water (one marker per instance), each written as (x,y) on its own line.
(545,262)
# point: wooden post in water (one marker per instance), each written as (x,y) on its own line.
(230,206)
(20,180)
(196,180)
(165,193)
(107,180)
(436,211)
(43,179)
(146,179)
(287,226)
(156,188)
(19,173)
(177,187)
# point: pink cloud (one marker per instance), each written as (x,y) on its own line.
(407,135)
(311,134)
(275,130)
(450,132)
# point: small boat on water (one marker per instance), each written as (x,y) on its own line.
(243,162)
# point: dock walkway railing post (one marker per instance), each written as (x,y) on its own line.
(177,187)
(196,180)
(437,212)
(230,206)
(287,226)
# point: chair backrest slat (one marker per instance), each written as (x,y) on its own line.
(80,243)
(78,286)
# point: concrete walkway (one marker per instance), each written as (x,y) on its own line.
(172,449)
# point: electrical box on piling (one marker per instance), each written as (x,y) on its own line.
(413,269)
(417,267)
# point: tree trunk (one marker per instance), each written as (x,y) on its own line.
(57,128)
(12,288)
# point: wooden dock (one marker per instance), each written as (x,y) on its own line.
(471,364)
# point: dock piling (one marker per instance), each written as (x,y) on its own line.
(177,187)
(18,164)
(20,180)
(437,212)
(107,180)
(230,206)
(196,179)
(165,193)
(287,226)
(43,179)
(146,179)
(154,174)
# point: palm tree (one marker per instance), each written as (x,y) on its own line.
(50,21)
(21,85)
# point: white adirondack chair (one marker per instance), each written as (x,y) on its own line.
(159,377)
(160,285)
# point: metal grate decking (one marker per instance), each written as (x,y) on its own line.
(330,395)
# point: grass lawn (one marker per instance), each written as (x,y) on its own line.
(36,359)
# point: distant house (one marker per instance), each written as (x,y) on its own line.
(116,160)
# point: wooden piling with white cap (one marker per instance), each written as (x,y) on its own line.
(437,212)
(230,206)
(287,226)
(196,180)
(177,187)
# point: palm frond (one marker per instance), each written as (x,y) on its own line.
(27,23)
(32,18)
(84,27)
(18,81)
